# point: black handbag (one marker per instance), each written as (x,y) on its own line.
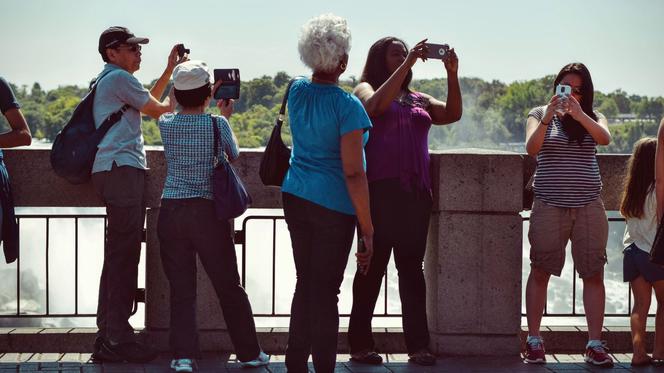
(276,157)
(231,198)
(657,250)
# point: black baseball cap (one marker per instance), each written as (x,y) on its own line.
(116,35)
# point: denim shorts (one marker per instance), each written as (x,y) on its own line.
(636,262)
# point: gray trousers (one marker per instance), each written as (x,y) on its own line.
(121,189)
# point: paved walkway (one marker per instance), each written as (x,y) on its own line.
(394,363)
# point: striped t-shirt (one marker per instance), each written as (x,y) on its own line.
(188,148)
(567,173)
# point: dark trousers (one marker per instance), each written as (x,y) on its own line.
(188,227)
(8,223)
(321,240)
(121,188)
(401,222)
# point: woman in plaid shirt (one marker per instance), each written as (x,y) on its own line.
(188,225)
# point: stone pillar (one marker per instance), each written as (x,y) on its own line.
(474,253)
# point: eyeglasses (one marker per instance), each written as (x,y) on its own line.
(129,47)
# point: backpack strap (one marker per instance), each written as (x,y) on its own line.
(114,117)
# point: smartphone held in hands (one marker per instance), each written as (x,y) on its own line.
(436,51)
(563,91)
(230,86)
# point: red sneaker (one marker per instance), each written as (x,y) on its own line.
(534,351)
(598,355)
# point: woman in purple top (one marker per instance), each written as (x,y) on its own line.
(399,188)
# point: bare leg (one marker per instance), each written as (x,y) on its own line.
(593,300)
(642,291)
(536,287)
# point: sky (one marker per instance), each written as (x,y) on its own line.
(54,42)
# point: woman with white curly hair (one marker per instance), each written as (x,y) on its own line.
(325,192)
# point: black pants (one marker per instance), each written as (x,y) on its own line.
(401,222)
(8,223)
(187,227)
(321,241)
(121,188)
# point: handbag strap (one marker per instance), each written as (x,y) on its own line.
(282,110)
(217,136)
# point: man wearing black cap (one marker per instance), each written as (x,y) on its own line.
(118,175)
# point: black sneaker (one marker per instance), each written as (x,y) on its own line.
(132,352)
(102,354)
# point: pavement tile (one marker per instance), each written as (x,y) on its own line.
(91,368)
(123,368)
(566,367)
(366,368)
(397,358)
(569,358)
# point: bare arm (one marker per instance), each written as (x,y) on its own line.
(450,111)
(536,129)
(376,102)
(358,189)
(173,60)
(19,134)
(155,109)
(659,171)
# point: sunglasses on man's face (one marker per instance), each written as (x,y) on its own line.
(129,47)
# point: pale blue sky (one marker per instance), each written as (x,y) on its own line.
(622,41)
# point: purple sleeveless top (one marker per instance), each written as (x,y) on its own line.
(398,144)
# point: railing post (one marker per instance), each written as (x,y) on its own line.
(473,261)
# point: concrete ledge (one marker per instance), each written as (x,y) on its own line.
(559,340)
(273,340)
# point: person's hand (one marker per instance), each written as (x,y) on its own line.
(551,108)
(573,108)
(451,61)
(225,107)
(364,253)
(174,59)
(418,51)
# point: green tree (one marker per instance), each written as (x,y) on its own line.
(281,78)
(608,108)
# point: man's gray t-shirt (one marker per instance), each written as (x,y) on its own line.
(123,144)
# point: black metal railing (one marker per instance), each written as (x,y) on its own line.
(240,238)
(47,256)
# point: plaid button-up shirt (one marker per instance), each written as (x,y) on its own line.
(188,147)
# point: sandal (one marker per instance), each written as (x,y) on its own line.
(657,362)
(367,357)
(422,357)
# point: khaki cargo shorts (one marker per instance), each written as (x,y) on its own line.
(552,227)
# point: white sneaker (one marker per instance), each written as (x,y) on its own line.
(182,365)
(262,360)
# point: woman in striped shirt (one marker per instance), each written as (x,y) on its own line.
(563,135)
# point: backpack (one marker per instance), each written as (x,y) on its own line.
(75,146)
